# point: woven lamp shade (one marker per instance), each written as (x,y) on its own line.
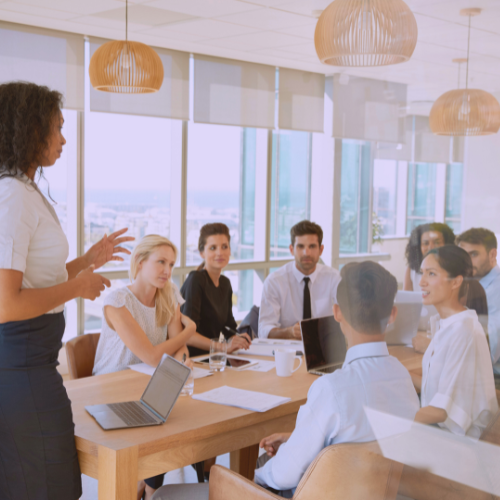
(126,68)
(465,112)
(365,33)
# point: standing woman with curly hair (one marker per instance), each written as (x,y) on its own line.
(38,456)
(423,239)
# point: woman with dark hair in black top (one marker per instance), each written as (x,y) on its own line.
(208,294)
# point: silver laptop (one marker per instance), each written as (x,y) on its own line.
(156,402)
(405,326)
(324,345)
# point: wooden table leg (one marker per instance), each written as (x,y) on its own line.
(244,461)
(117,473)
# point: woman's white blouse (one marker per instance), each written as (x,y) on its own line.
(31,238)
(457,374)
(112,354)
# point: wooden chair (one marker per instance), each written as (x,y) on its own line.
(80,352)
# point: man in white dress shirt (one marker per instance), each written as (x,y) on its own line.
(370,377)
(301,289)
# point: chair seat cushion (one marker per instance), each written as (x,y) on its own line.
(196,491)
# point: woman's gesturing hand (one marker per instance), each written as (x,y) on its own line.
(106,248)
(238,342)
(272,443)
(91,285)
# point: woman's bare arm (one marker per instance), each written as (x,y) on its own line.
(18,304)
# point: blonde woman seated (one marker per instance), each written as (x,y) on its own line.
(143,321)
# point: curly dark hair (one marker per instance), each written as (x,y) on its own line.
(413,252)
(27,113)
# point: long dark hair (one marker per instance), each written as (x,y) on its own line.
(413,252)
(211,229)
(27,113)
(456,262)
(476,298)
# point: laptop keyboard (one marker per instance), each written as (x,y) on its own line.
(132,413)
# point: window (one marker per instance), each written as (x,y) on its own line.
(453,210)
(247,290)
(385,181)
(291,187)
(127,176)
(355,196)
(421,194)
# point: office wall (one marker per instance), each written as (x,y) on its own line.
(481,195)
(395,247)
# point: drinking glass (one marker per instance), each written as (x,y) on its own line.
(218,355)
(188,388)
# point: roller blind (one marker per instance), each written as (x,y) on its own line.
(301,100)
(171,101)
(401,151)
(229,92)
(44,57)
(369,110)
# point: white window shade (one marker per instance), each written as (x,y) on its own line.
(369,110)
(44,57)
(301,100)
(401,151)
(229,92)
(171,101)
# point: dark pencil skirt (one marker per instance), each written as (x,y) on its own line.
(38,459)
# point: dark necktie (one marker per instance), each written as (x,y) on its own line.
(307,299)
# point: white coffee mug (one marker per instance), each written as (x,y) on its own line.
(285,360)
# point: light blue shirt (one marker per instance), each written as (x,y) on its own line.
(491,285)
(334,412)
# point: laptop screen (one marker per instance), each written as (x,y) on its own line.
(324,342)
(165,386)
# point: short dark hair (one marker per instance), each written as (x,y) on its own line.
(479,236)
(456,262)
(306,227)
(366,296)
(413,252)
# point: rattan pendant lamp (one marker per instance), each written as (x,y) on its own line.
(365,33)
(126,67)
(465,112)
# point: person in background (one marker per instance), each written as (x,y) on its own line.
(481,245)
(335,408)
(38,457)
(457,385)
(208,294)
(301,289)
(422,239)
(143,321)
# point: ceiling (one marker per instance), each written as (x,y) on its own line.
(281,33)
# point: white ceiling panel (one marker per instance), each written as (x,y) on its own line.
(109,23)
(204,8)
(260,40)
(267,19)
(79,7)
(167,34)
(35,11)
(306,31)
(144,14)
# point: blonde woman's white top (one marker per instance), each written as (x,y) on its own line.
(112,354)
(31,238)
(457,374)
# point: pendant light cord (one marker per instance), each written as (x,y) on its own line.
(468,48)
(126,21)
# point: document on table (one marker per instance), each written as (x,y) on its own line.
(261,366)
(248,400)
(149,370)
(265,347)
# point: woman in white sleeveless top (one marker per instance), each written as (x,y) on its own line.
(143,320)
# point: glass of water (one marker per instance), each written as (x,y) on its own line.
(218,354)
(188,388)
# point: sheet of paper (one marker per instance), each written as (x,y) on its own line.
(149,370)
(248,400)
(265,347)
(262,366)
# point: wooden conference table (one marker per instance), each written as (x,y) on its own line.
(194,431)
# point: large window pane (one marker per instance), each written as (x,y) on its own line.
(127,176)
(355,197)
(385,181)
(454,178)
(221,186)
(291,187)
(421,194)
(247,290)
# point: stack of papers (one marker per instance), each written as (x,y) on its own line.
(149,370)
(261,366)
(248,400)
(265,347)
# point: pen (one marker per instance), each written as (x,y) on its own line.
(183,358)
(234,332)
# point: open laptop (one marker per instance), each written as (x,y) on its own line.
(324,345)
(405,326)
(156,402)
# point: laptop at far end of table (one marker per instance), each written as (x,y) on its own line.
(155,404)
(406,325)
(324,345)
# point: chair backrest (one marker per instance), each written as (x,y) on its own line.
(80,352)
(250,323)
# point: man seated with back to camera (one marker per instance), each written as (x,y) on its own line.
(481,245)
(334,412)
(301,289)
